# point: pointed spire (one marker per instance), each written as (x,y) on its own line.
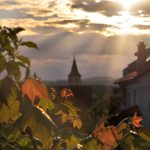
(74,76)
(74,69)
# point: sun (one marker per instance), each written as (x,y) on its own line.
(127,3)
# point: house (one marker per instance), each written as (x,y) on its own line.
(135,83)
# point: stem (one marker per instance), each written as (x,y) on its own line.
(123,120)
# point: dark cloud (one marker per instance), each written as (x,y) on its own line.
(105,7)
(84,25)
(8,2)
(95,27)
(139,26)
(44,30)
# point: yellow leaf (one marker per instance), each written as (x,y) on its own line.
(77,123)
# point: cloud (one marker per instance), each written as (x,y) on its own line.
(141,8)
(88,29)
(140,26)
(106,7)
(96,55)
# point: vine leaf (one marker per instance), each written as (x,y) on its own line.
(40,124)
(107,135)
(65,93)
(2,62)
(13,69)
(29,44)
(77,123)
(34,88)
(24,59)
(11,110)
(135,120)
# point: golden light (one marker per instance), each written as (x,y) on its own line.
(127,3)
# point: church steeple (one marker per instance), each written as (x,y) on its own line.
(74,77)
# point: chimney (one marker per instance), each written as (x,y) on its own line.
(141,57)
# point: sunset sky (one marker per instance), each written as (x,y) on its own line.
(102,34)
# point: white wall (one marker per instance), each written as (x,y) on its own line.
(139,93)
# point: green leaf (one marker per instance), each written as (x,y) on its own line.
(29,44)
(64,118)
(10,112)
(39,122)
(2,63)
(18,29)
(13,70)
(26,142)
(145,133)
(46,104)
(72,142)
(24,59)
(133,142)
(93,145)
(7,86)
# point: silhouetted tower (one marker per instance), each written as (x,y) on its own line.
(74,77)
(141,57)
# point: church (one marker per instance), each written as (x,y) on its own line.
(74,77)
(83,93)
(135,83)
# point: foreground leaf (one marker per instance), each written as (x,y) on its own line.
(65,93)
(13,69)
(2,62)
(135,120)
(40,124)
(93,145)
(107,135)
(29,44)
(33,88)
(145,133)
(11,110)
(24,59)
(7,86)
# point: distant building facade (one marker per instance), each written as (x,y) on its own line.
(135,83)
(74,77)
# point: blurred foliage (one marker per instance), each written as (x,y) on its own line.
(33,117)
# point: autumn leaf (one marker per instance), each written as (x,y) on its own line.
(33,88)
(65,93)
(135,120)
(98,129)
(77,123)
(107,135)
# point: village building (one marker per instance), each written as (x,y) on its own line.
(135,83)
(83,93)
(74,77)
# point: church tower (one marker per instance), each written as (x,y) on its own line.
(74,77)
